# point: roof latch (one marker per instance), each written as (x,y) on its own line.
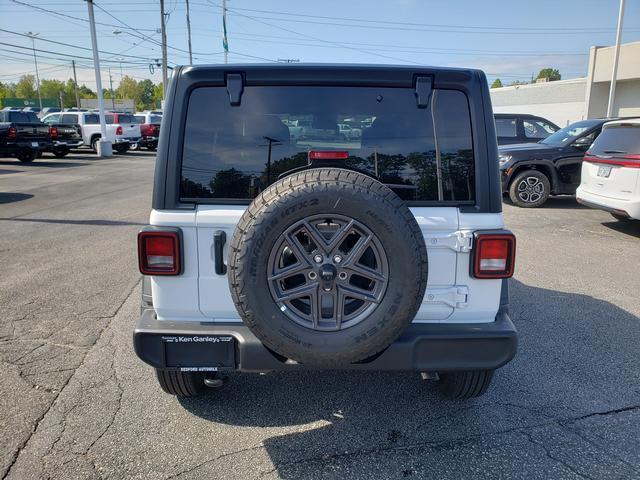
(235,87)
(424,86)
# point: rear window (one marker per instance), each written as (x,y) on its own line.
(70,118)
(505,127)
(618,139)
(138,119)
(23,117)
(155,119)
(423,154)
(126,119)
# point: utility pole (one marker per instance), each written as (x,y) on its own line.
(60,97)
(225,42)
(189,34)
(75,83)
(32,36)
(164,52)
(113,99)
(103,145)
(616,56)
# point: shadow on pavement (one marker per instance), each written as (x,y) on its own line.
(562,202)
(43,163)
(73,222)
(630,227)
(577,355)
(10,197)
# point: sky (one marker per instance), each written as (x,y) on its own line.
(511,40)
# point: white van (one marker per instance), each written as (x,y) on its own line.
(611,171)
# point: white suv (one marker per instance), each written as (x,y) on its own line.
(268,251)
(611,171)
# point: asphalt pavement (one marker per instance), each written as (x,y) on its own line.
(75,402)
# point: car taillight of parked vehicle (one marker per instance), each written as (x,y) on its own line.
(12,133)
(494,255)
(119,130)
(159,252)
(146,130)
(53,132)
(623,160)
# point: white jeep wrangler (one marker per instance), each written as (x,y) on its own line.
(270,251)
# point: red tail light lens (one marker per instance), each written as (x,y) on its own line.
(494,255)
(119,130)
(53,132)
(159,252)
(328,155)
(12,133)
(631,161)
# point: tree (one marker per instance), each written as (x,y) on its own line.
(7,90)
(25,88)
(144,97)
(497,83)
(552,74)
(51,88)
(158,94)
(86,92)
(128,88)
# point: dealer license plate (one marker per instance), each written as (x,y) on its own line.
(604,171)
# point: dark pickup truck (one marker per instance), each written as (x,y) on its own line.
(65,133)
(23,135)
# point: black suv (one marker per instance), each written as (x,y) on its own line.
(522,128)
(531,172)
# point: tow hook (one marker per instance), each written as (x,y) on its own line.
(216,382)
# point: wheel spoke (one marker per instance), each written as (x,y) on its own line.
(316,237)
(366,272)
(358,249)
(298,250)
(340,236)
(297,292)
(290,271)
(360,294)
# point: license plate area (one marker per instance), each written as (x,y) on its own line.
(604,171)
(34,144)
(199,353)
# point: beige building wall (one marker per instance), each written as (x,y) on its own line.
(568,101)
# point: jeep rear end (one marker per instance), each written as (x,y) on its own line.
(269,250)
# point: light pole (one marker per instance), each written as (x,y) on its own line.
(616,55)
(32,36)
(103,145)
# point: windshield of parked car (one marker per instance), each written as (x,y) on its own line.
(237,151)
(568,134)
(23,117)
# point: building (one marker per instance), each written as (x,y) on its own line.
(567,101)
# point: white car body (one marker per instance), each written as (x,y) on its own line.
(90,126)
(452,296)
(611,180)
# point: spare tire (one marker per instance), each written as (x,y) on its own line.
(327,267)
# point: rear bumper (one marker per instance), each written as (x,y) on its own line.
(629,208)
(68,143)
(422,347)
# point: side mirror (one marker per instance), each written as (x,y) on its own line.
(582,143)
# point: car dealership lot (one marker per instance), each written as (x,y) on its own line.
(76,402)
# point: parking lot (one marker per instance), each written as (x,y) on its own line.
(79,404)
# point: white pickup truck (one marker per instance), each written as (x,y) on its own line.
(122,130)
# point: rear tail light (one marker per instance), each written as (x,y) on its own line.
(159,252)
(631,161)
(53,132)
(494,255)
(119,130)
(328,155)
(12,133)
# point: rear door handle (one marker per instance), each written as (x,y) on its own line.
(219,239)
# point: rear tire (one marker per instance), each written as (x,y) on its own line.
(182,384)
(465,385)
(121,148)
(61,152)
(530,189)
(26,156)
(94,144)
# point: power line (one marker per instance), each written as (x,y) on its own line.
(314,38)
(76,46)
(434,25)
